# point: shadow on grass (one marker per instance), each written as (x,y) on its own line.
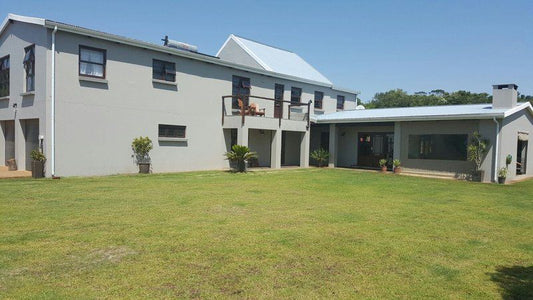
(515,282)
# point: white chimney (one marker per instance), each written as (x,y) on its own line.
(504,95)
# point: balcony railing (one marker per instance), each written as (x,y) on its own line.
(262,107)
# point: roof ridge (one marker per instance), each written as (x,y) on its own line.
(261,43)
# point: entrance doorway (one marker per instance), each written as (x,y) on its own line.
(374,146)
(8,128)
(278,104)
(521,155)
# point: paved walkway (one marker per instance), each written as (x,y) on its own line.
(4,173)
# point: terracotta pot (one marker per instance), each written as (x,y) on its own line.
(144,168)
(37,169)
(384,169)
(397,170)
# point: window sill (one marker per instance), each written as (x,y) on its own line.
(92,79)
(172,83)
(32,93)
(4,98)
(171,139)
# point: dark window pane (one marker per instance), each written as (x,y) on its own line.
(319,96)
(163,70)
(92,62)
(296,95)
(438,146)
(4,76)
(171,131)
(340,102)
(241,89)
(278,91)
(29,67)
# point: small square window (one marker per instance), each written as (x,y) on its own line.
(163,70)
(92,62)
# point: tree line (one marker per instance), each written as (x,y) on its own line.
(400,98)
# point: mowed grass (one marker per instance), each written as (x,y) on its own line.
(313,233)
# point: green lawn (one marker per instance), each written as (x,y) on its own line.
(311,233)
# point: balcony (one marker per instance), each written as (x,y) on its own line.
(264,113)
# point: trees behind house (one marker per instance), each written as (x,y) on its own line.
(400,98)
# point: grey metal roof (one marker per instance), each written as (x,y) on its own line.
(421,113)
(278,60)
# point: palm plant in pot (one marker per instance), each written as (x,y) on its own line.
(37,164)
(321,156)
(239,156)
(502,175)
(141,147)
(476,151)
(397,166)
(383,165)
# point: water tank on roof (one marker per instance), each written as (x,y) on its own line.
(179,45)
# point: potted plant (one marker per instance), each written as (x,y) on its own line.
(383,165)
(397,166)
(502,175)
(321,156)
(476,151)
(141,147)
(240,155)
(37,164)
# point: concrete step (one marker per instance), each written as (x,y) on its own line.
(3,168)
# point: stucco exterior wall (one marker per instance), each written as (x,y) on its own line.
(441,127)
(18,106)
(512,125)
(96,122)
(234,53)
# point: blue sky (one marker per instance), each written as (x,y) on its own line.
(370,46)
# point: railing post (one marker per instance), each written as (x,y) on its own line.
(280,114)
(223,110)
(309,114)
(243,110)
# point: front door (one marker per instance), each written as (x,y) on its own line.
(374,146)
(278,105)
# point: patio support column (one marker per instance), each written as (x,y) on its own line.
(304,149)
(397,140)
(20,145)
(242,136)
(332,146)
(275,150)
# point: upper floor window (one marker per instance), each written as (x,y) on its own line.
(92,62)
(340,102)
(4,76)
(29,67)
(319,96)
(296,95)
(163,70)
(241,89)
(172,131)
(279,89)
